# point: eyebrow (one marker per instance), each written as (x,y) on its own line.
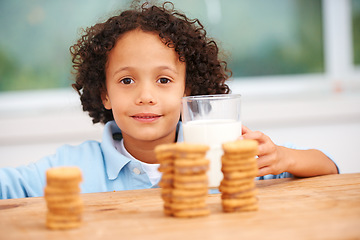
(162,67)
(121,69)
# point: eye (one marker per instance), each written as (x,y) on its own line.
(163,80)
(127,81)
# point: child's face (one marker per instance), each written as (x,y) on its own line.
(145,82)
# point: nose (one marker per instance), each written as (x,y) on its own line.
(146,95)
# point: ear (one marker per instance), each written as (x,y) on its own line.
(106,100)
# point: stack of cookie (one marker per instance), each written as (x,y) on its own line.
(185,194)
(165,154)
(239,167)
(62,196)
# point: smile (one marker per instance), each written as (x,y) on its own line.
(146,117)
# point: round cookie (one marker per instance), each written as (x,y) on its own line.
(183,206)
(166,165)
(240,146)
(189,167)
(191,182)
(190,148)
(50,191)
(63,176)
(56,225)
(237,202)
(226,159)
(240,168)
(75,205)
(241,194)
(240,156)
(63,199)
(251,207)
(165,150)
(192,193)
(189,200)
(166,180)
(240,175)
(237,182)
(189,213)
(235,189)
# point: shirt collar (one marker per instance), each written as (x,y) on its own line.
(115,161)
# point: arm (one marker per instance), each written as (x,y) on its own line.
(30,180)
(24,181)
(20,182)
(274,159)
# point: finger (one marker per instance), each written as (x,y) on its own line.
(263,161)
(264,171)
(245,129)
(267,149)
(255,135)
(264,165)
(266,146)
(268,165)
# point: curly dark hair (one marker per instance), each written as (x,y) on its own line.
(205,73)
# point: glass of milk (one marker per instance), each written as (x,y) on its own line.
(212,120)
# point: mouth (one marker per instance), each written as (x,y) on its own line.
(146,117)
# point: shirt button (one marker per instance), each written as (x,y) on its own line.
(136,171)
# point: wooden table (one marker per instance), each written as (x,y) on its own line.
(326,207)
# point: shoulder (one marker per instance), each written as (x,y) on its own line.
(87,150)
(90,145)
(67,155)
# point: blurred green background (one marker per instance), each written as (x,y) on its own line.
(356,30)
(257,37)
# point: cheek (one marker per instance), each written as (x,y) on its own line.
(175,98)
(123,105)
(121,113)
(173,105)
(119,103)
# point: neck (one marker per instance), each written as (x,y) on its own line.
(144,150)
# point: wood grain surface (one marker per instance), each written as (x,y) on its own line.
(326,207)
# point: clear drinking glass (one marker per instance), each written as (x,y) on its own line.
(212,120)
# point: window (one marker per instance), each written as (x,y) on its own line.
(356,30)
(265,37)
(259,38)
(36,36)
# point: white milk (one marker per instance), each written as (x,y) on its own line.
(212,133)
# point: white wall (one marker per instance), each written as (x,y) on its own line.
(330,123)
(35,124)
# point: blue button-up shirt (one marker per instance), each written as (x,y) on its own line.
(103,168)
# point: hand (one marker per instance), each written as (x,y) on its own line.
(269,161)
